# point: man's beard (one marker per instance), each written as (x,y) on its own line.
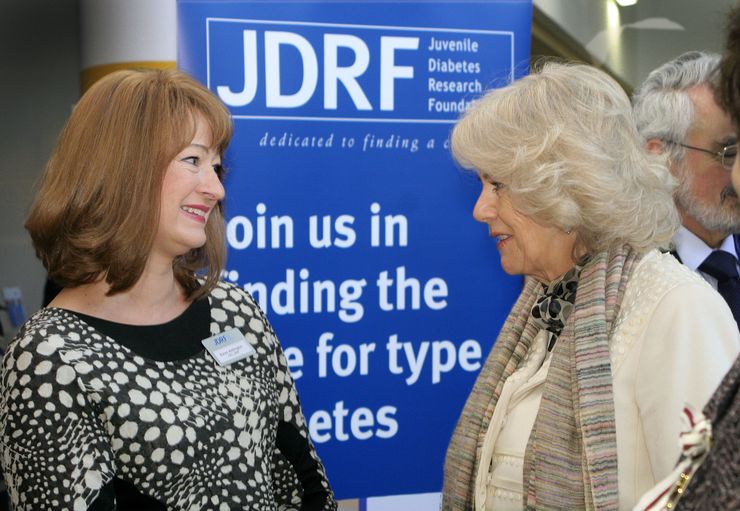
(722,217)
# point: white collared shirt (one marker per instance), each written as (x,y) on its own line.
(693,251)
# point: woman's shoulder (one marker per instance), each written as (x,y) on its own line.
(661,272)
(51,337)
(661,278)
(48,330)
(227,292)
(231,304)
(657,277)
(661,283)
(666,294)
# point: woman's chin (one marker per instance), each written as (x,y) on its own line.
(510,271)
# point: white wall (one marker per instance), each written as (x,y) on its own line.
(40,83)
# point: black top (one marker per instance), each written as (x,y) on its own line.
(175,340)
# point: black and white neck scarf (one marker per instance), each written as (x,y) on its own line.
(552,309)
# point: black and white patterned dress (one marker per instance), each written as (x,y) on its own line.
(78,409)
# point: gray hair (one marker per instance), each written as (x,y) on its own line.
(564,142)
(661,105)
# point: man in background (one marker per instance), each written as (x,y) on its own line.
(710,470)
(677,115)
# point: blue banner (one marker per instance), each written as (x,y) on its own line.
(347,219)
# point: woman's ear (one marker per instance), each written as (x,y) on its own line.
(655,146)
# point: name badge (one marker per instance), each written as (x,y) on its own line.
(228,347)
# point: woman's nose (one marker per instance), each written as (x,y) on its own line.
(211,185)
(484,208)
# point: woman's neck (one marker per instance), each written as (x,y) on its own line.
(155,298)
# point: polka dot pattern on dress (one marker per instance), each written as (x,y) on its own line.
(78,409)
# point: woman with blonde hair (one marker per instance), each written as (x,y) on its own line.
(575,406)
(108,398)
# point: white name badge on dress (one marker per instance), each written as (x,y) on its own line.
(228,347)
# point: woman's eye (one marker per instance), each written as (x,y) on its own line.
(220,170)
(497,187)
(193,160)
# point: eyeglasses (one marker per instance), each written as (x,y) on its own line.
(726,156)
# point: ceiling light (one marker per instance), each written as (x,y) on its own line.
(626,3)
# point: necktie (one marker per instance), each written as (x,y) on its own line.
(723,266)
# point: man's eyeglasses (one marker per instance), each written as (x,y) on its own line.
(726,156)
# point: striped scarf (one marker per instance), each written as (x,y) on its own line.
(571,457)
